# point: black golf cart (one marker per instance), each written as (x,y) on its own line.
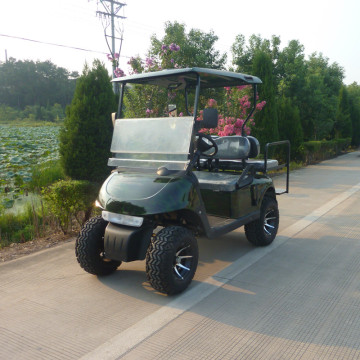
(171,182)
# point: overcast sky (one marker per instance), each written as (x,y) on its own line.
(327,26)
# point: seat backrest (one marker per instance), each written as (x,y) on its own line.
(232,147)
(254,147)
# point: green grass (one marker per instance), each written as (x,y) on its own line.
(20,227)
(45,174)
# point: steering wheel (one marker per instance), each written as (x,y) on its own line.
(206,142)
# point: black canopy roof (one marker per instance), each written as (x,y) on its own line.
(180,78)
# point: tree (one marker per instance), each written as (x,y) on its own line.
(28,83)
(321,96)
(354,106)
(196,48)
(86,136)
(243,56)
(291,67)
(290,124)
(266,122)
(177,49)
(342,126)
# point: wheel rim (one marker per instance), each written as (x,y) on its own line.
(182,262)
(270,222)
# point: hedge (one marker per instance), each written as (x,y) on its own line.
(314,151)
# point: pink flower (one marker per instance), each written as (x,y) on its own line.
(212,103)
(149,62)
(229,120)
(239,123)
(118,72)
(241,87)
(174,47)
(260,105)
(228,130)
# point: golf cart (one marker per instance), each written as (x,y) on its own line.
(172,182)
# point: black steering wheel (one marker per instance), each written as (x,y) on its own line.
(206,142)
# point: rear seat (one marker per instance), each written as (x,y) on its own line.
(233,154)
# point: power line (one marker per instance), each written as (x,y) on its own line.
(53,44)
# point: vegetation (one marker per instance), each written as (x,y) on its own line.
(70,199)
(28,83)
(86,136)
(21,148)
(306,102)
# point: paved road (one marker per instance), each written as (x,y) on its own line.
(297,299)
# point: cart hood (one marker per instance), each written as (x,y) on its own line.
(145,193)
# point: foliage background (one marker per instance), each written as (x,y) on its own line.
(306,102)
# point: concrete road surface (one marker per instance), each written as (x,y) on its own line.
(296,299)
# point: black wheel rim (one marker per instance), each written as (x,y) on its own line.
(270,220)
(182,262)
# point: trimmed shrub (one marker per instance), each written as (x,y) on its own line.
(86,136)
(314,151)
(70,199)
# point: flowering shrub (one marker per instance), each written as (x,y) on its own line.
(237,106)
(233,109)
(114,58)
(166,59)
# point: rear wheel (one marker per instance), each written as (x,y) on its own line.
(172,259)
(89,248)
(263,231)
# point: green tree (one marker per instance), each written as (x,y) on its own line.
(243,54)
(321,97)
(86,136)
(343,126)
(292,72)
(28,83)
(354,102)
(266,122)
(290,125)
(196,48)
(176,49)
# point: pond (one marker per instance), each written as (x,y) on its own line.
(22,147)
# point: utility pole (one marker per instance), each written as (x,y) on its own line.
(110,18)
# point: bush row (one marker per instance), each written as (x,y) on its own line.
(314,151)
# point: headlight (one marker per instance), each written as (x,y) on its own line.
(98,205)
(122,219)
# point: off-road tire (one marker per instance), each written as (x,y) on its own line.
(262,231)
(172,249)
(89,248)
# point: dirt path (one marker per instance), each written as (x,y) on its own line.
(17,250)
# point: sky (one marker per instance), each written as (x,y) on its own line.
(326,26)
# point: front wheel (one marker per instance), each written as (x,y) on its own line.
(263,231)
(172,259)
(89,248)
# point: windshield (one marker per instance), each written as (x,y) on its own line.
(152,142)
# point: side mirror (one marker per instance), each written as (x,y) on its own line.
(210,118)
